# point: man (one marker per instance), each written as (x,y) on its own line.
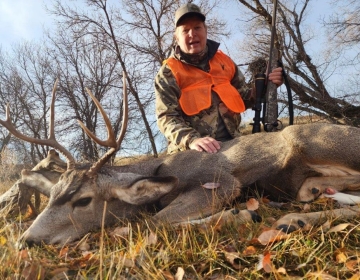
(200,92)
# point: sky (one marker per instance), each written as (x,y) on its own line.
(22,19)
(26,19)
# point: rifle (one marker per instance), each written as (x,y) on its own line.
(266,93)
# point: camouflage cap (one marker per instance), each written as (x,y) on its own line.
(186,10)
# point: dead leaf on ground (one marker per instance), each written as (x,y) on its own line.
(84,245)
(339,227)
(282,270)
(152,238)
(267,265)
(250,250)
(326,226)
(33,270)
(252,204)
(353,264)
(120,232)
(24,254)
(167,275)
(322,275)
(63,252)
(58,271)
(265,262)
(234,259)
(179,273)
(340,257)
(356,276)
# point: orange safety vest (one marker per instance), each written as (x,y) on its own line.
(196,85)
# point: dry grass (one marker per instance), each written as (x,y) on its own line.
(9,170)
(230,251)
(247,127)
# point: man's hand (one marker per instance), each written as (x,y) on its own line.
(207,144)
(276,76)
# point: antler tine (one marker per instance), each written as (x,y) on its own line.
(111,141)
(116,145)
(51,141)
(125,113)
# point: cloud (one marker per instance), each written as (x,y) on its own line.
(22,20)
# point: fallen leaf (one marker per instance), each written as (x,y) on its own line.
(58,272)
(326,226)
(167,275)
(126,261)
(281,270)
(33,271)
(339,227)
(3,240)
(63,252)
(353,264)
(233,258)
(152,238)
(356,276)
(271,235)
(250,250)
(179,273)
(340,258)
(84,246)
(120,232)
(24,254)
(260,264)
(252,204)
(322,275)
(267,265)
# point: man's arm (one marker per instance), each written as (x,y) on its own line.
(168,111)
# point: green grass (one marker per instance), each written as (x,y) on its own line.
(229,251)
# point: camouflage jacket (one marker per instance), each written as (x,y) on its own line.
(217,121)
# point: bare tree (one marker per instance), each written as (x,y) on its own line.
(26,81)
(308,76)
(81,64)
(344,24)
(140,35)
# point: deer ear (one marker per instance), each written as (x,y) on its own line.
(146,189)
(37,181)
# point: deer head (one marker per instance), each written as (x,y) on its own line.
(87,194)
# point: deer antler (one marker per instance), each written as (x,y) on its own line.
(51,141)
(111,142)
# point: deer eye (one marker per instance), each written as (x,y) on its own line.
(82,202)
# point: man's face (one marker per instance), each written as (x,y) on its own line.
(191,35)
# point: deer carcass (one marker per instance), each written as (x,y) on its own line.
(305,158)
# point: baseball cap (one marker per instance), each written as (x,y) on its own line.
(186,10)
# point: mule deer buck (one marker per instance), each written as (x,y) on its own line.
(298,162)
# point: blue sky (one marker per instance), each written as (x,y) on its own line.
(25,19)
(22,19)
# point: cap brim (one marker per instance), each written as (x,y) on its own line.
(188,15)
